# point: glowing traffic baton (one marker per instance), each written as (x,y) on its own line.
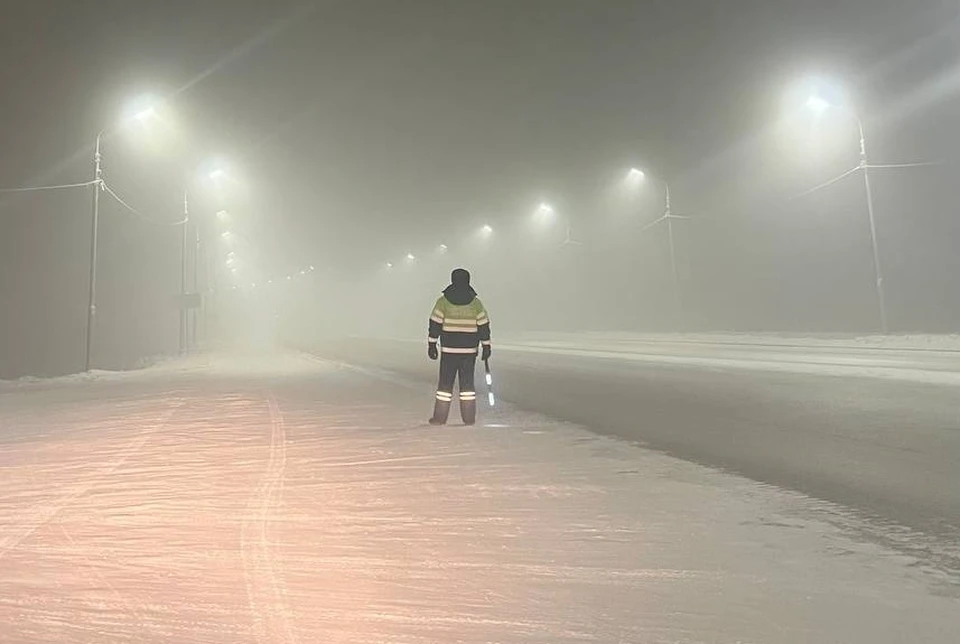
(490,397)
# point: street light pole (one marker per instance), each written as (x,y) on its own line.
(635,176)
(183,275)
(94,234)
(195,318)
(677,300)
(877,269)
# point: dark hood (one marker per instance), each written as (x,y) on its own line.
(460,294)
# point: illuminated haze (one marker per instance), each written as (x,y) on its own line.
(352,134)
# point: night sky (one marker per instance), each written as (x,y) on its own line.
(358,131)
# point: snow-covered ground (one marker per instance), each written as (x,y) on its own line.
(916,341)
(286,499)
(927,359)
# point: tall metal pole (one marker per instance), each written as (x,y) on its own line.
(183,275)
(94,234)
(195,318)
(677,301)
(877,269)
(204,289)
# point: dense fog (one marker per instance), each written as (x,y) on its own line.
(429,123)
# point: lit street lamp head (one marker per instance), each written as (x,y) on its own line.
(817,95)
(635,176)
(817,104)
(145,115)
(142,108)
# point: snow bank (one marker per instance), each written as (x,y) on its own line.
(934,342)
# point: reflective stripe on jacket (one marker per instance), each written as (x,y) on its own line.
(459,328)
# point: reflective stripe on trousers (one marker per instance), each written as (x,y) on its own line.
(454,367)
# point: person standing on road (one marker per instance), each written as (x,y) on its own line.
(459,324)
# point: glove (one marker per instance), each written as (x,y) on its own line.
(432,351)
(486,351)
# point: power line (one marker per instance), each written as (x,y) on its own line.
(826,184)
(65,186)
(918,164)
(136,212)
(652,224)
(886,166)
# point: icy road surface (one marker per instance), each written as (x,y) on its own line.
(287,500)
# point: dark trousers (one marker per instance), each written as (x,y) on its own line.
(454,366)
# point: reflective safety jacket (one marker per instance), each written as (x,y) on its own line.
(459,328)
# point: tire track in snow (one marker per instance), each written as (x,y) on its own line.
(133,608)
(42,514)
(272,620)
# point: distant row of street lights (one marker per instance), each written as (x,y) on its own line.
(818,103)
(545,213)
(819,100)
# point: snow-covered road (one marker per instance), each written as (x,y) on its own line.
(923,359)
(284,499)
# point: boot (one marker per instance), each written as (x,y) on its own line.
(441,411)
(468,409)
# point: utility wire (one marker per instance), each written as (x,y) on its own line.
(136,212)
(826,184)
(918,164)
(652,224)
(886,166)
(65,186)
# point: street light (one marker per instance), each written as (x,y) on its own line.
(211,171)
(144,111)
(634,178)
(144,114)
(544,214)
(487,230)
(819,104)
